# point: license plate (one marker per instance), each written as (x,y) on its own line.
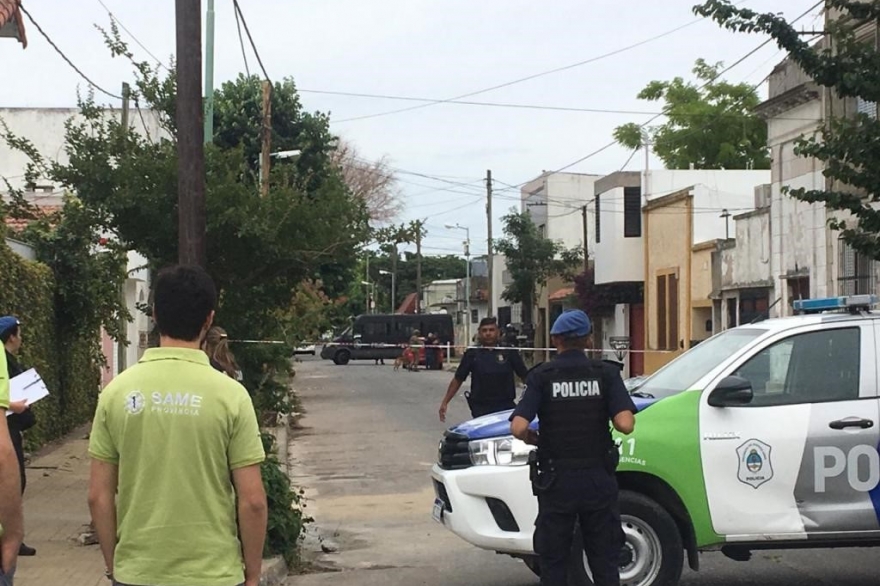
(439,505)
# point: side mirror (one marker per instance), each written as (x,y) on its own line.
(731,391)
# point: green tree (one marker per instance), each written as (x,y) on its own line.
(710,126)
(390,238)
(848,146)
(532,260)
(260,250)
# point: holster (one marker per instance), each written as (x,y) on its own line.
(612,459)
(541,479)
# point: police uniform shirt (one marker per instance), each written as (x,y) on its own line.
(492,373)
(617,397)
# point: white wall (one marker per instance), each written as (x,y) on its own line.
(566,194)
(622,259)
(728,184)
(801,241)
(752,254)
(708,203)
(554,201)
(44,127)
(617,259)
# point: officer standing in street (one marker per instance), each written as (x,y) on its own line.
(492,370)
(573,472)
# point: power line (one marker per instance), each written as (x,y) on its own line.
(531,77)
(251,39)
(131,34)
(63,56)
(247,68)
(509,105)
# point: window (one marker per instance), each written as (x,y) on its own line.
(598,222)
(807,368)
(865,107)
(373,329)
(667,312)
(685,371)
(632,212)
(753,305)
(854,272)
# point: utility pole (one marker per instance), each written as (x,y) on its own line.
(586,240)
(369,288)
(266,157)
(490,256)
(190,134)
(394,279)
(418,225)
(209,74)
(467,287)
(123,323)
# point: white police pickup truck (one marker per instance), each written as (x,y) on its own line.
(762,437)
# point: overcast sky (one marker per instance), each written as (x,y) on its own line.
(434,49)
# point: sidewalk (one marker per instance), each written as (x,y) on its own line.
(56,513)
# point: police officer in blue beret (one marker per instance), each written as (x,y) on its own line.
(573,472)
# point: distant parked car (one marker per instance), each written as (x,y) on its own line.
(307,349)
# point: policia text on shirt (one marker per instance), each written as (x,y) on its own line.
(492,370)
(573,469)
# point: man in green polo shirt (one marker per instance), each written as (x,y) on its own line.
(179,441)
(11,524)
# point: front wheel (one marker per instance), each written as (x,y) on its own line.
(342,357)
(653,551)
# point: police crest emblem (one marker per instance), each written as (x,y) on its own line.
(755,466)
(500,357)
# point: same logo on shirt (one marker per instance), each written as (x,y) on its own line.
(135,403)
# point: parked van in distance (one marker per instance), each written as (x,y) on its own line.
(375,336)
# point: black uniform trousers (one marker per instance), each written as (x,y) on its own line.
(17,424)
(588,496)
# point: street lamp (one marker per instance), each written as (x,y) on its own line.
(371,303)
(279,155)
(393,286)
(467,282)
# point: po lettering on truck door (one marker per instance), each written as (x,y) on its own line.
(861,465)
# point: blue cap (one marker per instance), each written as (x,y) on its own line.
(7,322)
(573,323)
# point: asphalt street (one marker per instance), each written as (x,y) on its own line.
(367,441)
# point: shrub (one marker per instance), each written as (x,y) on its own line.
(287,519)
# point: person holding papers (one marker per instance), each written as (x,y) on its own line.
(22,418)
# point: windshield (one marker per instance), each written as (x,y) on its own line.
(683,372)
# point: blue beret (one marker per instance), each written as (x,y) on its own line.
(573,323)
(7,322)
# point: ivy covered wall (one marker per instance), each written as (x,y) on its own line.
(27,290)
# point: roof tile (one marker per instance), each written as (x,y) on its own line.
(10,10)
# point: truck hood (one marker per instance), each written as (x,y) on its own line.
(498,424)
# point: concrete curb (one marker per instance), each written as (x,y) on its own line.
(274,572)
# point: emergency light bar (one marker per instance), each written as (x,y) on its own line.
(850,303)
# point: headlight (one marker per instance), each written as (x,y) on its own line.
(499,451)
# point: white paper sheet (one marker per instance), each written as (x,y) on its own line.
(28,386)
